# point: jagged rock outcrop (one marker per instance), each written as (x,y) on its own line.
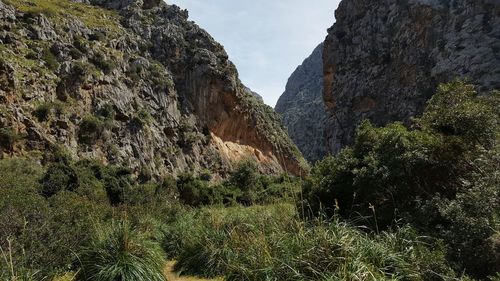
(383,59)
(302,108)
(129,82)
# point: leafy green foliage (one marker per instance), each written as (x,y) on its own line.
(142,118)
(120,252)
(81,70)
(456,110)
(41,235)
(245,185)
(59,177)
(441,176)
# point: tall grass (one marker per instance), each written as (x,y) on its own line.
(272,243)
(121,252)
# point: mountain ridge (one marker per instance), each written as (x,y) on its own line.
(134,83)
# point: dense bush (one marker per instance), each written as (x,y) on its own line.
(8,138)
(196,192)
(50,59)
(442,176)
(247,178)
(41,235)
(44,110)
(90,130)
(245,185)
(59,176)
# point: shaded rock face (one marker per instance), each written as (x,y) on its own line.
(302,108)
(133,83)
(384,59)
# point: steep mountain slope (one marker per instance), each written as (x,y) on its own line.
(383,59)
(302,107)
(129,82)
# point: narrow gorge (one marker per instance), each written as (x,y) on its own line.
(382,61)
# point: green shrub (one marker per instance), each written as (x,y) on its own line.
(118,183)
(20,174)
(8,138)
(22,218)
(99,60)
(247,178)
(59,177)
(91,184)
(44,236)
(50,60)
(90,130)
(456,110)
(196,192)
(470,222)
(81,70)
(97,36)
(251,187)
(160,77)
(188,133)
(107,111)
(120,252)
(44,110)
(75,53)
(142,118)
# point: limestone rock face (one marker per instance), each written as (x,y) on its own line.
(383,59)
(302,108)
(132,83)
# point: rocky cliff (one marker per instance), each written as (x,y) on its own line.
(302,108)
(384,58)
(129,82)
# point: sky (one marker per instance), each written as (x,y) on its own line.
(265,39)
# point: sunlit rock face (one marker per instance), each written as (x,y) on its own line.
(132,83)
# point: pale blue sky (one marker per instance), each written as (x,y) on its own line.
(266,39)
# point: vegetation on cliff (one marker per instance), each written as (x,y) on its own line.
(131,84)
(400,204)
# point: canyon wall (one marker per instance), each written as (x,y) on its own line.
(383,59)
(131,83)
(302,108)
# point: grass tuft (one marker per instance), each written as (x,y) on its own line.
(120,252)
(272,243)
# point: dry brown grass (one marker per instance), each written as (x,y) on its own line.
(173,276)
